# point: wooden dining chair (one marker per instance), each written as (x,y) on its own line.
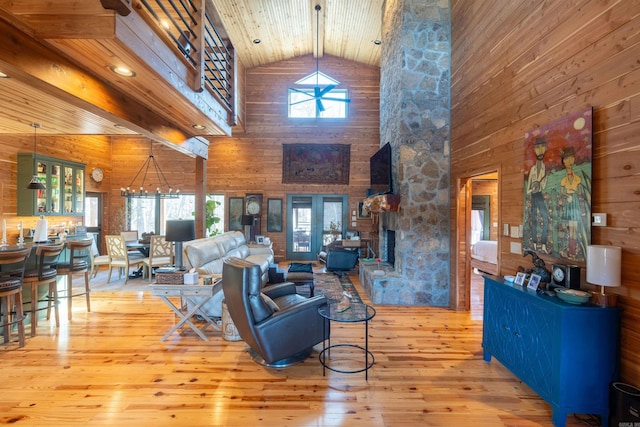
(45,273)
(12,265)
(78,264)
(130,236)
(160,253)
(96,259)
(120,257)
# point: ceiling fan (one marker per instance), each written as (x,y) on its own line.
(318,92)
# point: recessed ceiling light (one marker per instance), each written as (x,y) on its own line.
(3,75)
(256,41)
(118,126)
(377,42)
(123,71)
(198,127)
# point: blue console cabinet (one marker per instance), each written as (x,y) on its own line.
(568,354)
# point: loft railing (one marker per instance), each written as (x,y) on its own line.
(189,26)
(218,62)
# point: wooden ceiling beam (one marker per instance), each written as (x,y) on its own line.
(123,7)
(25,59)
(62,18)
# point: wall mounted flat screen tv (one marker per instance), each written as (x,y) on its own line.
(380,167)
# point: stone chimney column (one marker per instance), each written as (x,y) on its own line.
(415,119)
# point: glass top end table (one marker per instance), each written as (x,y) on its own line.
(355,313)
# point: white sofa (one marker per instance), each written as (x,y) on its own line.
(207,255)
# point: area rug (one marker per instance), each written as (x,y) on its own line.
(99,283)
(332,287)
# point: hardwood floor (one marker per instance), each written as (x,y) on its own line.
(108,367)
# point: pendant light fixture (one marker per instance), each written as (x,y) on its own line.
(35,183)
(163,189)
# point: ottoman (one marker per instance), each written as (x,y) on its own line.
(301,274)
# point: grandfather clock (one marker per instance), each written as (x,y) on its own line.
(254,208)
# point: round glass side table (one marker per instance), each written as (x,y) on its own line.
(356,313)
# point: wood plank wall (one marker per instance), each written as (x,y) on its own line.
(519,65)
(251,160)
(128,155)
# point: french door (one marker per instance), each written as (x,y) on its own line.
(314,220)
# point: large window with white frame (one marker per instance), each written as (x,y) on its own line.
(315,96)
(147,215)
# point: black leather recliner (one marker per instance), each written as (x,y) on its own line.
(281,329)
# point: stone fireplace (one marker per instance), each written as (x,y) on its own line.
(388,246)
(414,118)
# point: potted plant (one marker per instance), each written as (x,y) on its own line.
(211,220)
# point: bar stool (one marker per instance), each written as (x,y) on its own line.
(12,265)
(78,264)
(45,273)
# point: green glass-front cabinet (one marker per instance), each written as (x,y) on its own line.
(64,182)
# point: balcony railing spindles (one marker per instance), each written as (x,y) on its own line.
(201,45)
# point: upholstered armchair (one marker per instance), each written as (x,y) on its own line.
(341,259)
(337,258)
(280,326)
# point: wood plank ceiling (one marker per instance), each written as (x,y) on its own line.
(286,29)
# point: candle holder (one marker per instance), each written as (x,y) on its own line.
(4,242)
(20,234)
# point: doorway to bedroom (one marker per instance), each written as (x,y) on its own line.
(481,220)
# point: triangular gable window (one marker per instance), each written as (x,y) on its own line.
(322,80)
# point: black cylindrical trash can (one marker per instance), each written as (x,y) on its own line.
(624,405)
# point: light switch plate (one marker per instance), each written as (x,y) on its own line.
(516,248)
(354,224)
(599,219)
(515,231)
(505,230)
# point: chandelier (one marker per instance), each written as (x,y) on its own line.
(150,167)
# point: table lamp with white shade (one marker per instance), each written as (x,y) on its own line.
(604,269)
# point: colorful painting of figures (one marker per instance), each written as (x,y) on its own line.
(557,187)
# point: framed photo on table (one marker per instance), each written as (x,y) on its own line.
(236,210)
(534,282)
(274,215)
(260,240)
(520,279)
